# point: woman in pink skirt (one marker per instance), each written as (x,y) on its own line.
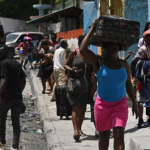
(111,108)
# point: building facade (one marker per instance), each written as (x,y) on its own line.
(136,10)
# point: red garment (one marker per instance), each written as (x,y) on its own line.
(24,46)
(53,44)
(139,86)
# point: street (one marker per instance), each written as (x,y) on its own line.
(30,123)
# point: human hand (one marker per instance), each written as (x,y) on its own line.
(135,110)
(46,68)
(131,53)
(74,69)
(35,65)
(93,24)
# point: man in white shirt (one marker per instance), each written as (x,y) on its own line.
(59,63)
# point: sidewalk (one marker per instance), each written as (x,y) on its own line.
(59,133)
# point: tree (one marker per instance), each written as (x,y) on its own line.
(19,9)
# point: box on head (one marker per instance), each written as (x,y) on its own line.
(110,28)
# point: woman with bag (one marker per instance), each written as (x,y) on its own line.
(111,108)
(77,93)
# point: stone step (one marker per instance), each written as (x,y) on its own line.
(140,143)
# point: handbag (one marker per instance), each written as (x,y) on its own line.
(21,51)
(77,85)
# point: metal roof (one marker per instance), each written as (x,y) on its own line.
(69,12)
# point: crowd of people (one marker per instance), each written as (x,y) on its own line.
(87,76)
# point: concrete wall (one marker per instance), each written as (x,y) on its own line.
(15,24)
(136,10)
(148,10)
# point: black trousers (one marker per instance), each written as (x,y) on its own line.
(15,106)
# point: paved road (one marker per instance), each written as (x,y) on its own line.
(29,123)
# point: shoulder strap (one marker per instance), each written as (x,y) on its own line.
(85,69)
(123,62)
(102,60)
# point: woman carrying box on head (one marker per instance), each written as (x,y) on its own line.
(111,108)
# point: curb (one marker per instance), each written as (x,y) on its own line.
(139,143)
(50,134)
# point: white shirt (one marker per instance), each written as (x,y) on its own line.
(59,58)
(140,44)
(51,50)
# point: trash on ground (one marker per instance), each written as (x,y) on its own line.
(39,131)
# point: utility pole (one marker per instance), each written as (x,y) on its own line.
(51,6)
(40,1)
(63,4)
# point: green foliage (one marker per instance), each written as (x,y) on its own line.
(23,9)
(58,1)
(19,9)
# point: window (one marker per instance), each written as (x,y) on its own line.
(21,37)
(111,7)
(11,37)
(36,37)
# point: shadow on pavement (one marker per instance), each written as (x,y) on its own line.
(131,130)
(89,137)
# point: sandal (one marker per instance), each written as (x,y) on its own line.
(82,134)
(48,89)
(76,137)
(50,94)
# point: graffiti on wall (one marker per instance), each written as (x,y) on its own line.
(73,43)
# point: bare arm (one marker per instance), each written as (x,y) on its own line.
(130,91)
(69,61)
(3,84)
(87,54)
(129,54)
(39,50)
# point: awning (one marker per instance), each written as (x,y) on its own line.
(69,12)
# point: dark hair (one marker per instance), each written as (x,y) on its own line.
(80,39)
(44,43)
(54,34)
(60,39)
(41,55)
(62,42)
(46,35)
(146,26)
(106,44)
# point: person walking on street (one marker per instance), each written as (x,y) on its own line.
(78,69)
(23,56)
(46,48)
(46,38)
(53,40)
(59,66)
(30,51)
(46,69)
(143,85)
(141,123)
(111,108)
(12,84)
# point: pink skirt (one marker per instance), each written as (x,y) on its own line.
(109,115)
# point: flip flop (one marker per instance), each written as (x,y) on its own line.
(50,94)
(82,134)
(76,137)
